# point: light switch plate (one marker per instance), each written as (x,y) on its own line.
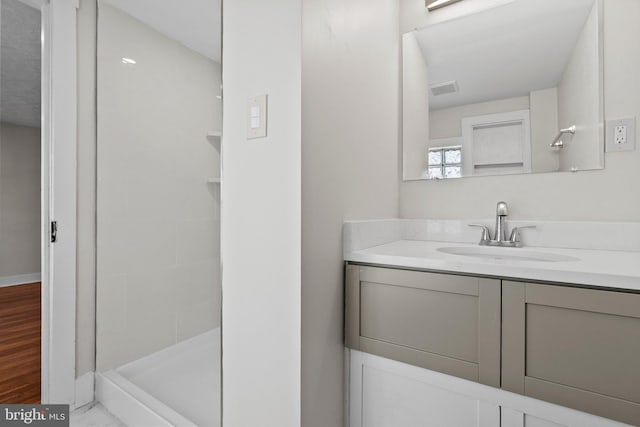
(621,135)
(257,117)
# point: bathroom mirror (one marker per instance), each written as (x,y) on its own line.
(159,124)
(516,88)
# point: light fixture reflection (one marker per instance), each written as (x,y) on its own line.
(437,4)
(128,61)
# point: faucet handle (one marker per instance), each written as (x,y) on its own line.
(515,233)
(485,232)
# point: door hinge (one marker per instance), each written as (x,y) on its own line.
(54,231)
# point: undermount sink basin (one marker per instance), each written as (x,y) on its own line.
(511,254)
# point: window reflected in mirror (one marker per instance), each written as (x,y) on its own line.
(445,162)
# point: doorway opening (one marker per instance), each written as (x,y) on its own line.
(20,202)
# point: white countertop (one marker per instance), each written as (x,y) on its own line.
(602,268)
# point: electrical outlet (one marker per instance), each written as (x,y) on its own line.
(621,135)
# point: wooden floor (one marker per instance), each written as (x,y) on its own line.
(20,344)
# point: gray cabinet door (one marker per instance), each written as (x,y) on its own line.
(442,322)
(576,347)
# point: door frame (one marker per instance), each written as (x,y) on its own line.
(58,198)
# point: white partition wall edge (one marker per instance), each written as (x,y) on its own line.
(59,200)
(261,216)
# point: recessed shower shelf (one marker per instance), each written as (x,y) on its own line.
(214,181)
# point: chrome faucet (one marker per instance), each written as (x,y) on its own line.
(502,211)
(500,236)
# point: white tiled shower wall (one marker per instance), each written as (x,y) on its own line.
(158,229)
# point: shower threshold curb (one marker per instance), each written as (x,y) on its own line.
(134,406)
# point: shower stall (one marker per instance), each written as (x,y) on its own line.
(158,211)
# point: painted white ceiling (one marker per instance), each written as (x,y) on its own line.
(19,64)
(504,52)
(196,24)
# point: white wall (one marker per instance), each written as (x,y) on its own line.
(607,195)
(261,199)
(579,100)
(19,200)
(158,279)
(350,169)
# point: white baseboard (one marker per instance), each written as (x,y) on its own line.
(20,279)
(85,385)
(132,405)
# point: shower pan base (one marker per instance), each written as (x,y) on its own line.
(177,386)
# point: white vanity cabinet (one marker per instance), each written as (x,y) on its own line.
(432,349)
(387,393)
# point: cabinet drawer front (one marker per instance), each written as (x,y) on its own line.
(575,347)
(587,350)
(431,321)
(446,323)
